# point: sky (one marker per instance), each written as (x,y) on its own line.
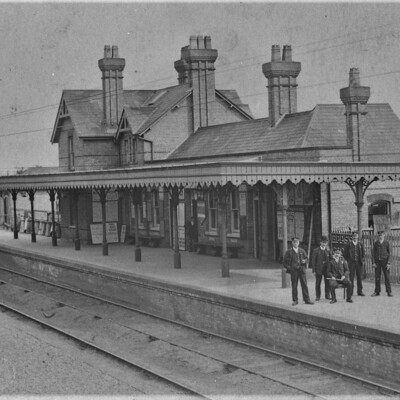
(48,47)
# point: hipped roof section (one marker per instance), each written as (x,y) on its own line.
(322,127)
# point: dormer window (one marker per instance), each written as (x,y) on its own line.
(124,125)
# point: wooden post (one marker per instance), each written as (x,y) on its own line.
(52,195)
(285,207)
(77,240)
(175,203)
(103,197)
(136,199)
(14,197)
(223,193)
(31,193)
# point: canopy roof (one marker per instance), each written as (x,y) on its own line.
(194,175)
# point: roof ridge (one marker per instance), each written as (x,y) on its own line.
(235,123)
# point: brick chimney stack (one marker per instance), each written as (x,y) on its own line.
(281,73)
(355,98)
(111,67)
(196,67)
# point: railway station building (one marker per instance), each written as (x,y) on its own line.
(139,164)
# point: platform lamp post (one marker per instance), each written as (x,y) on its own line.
(136,200)
(31,193)
(52,195)
(14,198)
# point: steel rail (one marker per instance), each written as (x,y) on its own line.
(87,344)
(290,359)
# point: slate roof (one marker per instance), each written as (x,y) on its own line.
(143,108)
(322,127)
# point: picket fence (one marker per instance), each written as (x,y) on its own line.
(340,236)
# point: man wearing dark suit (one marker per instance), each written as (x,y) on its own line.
(295,261)
(381,263)
(338,272)
(319,260)
(354,255)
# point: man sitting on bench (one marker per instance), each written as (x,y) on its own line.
(338,274)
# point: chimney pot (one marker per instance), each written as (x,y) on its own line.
(193,42)
(115,52)
(201,42)
(107,51)
(276,53)
(287,53)
(354,77)
(207,42)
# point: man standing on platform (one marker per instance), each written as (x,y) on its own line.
(191,231)
(338,273)
(319,261)
(354,255)
(295,262)
(381,263)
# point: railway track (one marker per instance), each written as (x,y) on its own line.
(201,365)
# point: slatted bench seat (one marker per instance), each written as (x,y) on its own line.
(150,240)
(233,248)
(145,240)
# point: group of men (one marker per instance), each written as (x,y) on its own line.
(336,268)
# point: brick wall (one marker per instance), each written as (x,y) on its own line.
(344,211)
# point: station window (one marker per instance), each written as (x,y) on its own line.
(126,151)
(212,210)
(235,223)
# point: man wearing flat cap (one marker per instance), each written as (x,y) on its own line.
(319,260)
(295,262)
(381,262)
(338,273)
(354,255)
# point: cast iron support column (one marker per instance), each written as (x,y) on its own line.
(52,195)
(359,188)
(14,197)
(175,202)
(31,193)
(77,240)
(285,207)
(136,199)
(103,197)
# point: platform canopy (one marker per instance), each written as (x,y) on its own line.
(194,175)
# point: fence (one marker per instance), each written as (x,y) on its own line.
(339,238)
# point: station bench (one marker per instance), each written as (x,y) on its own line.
(145,240)
(233,248)
(150,240)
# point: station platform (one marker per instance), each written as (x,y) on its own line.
(360,338)
(250,279)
